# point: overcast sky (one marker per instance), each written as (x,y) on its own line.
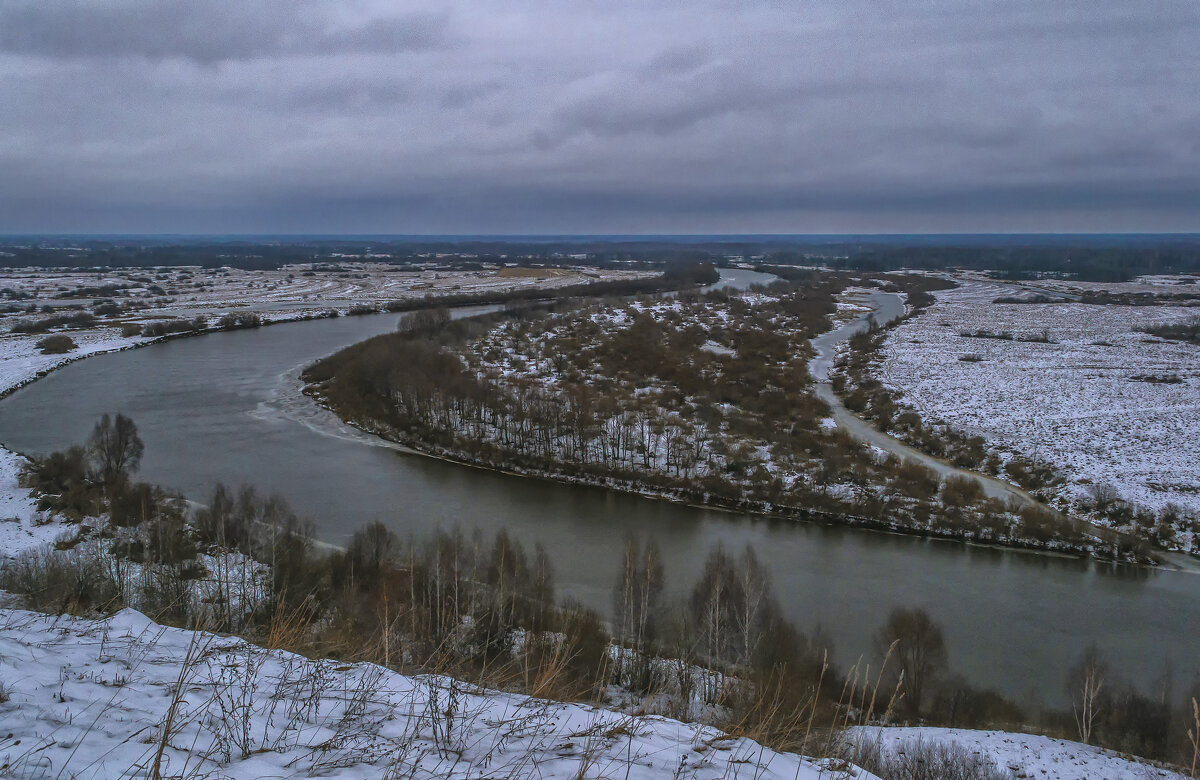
(554,116)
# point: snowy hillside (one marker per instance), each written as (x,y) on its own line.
(99,699)
(95,699)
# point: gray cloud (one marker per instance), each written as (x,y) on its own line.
(557,116)
(209,31)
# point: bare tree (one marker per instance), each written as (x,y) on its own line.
(1103,495)
(115,448)
(1085,683)
(714,600)
(757,609)
(920,650)
(635,606)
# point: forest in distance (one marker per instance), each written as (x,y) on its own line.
(1086,257)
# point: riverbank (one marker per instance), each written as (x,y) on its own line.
(697,498)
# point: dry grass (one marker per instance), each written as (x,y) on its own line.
(533,273)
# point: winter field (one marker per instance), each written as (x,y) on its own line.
(1025,755)
(1086,401)
(190,289)
(125,697)
(146,296)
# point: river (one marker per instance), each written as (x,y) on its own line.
(227,407)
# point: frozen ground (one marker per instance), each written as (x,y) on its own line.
(1029,756)
(126,697)
(1075,402)
(21,526)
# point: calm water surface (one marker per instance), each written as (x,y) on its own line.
(226,407)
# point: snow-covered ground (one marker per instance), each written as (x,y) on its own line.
(122,696)
(21,526)
(1026,755)
(1075,402)
(188,290)
(125,697)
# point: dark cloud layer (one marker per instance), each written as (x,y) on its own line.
(560,116)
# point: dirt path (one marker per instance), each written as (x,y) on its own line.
(887,307)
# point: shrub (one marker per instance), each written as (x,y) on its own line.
(168,327)
(76,319)
(922,759)
(130,505)
(240,320)
(130,329)
(62,484)
(1188,330)
(74,580)
(56,345)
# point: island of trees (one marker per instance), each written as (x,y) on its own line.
(698,397)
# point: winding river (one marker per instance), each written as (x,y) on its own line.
(227,407)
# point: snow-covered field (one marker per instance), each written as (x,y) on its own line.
(126,697)
(1026,755)
(190,290)
(1074,402)
(286,294)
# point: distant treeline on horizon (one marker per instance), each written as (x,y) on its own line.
(1091,257)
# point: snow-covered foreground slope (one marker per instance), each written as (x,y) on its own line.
(95,699)
(20,526)
(119,697)
(1029,756)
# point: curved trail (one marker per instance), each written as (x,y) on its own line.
(885,308)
